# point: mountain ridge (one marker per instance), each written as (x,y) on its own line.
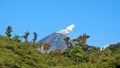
(56,41)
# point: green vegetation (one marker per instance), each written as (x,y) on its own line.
(35,37)
(26,36)
(8,31)
(15,53)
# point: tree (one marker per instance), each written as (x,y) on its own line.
(56,55)
(82,39)
(16,38)
(8,31)
(68,41)
(46,47)
(39,45)
(75,54)
(35,37)
(26,36)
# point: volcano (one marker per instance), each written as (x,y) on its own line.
(56,41)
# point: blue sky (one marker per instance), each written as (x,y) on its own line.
(98,18)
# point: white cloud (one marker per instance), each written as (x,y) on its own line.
(67,30)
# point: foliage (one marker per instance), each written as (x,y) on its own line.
(26,36)
(8,31)
(17,38)
(82,39)
(35,37)
(17,54)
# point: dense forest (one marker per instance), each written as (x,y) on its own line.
(17,53)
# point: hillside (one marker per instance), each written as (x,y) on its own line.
(15,53)
(24,55)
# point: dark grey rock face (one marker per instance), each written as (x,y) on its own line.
(56,41)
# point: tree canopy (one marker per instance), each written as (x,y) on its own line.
(15,53)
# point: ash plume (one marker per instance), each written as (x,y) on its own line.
(67,30)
